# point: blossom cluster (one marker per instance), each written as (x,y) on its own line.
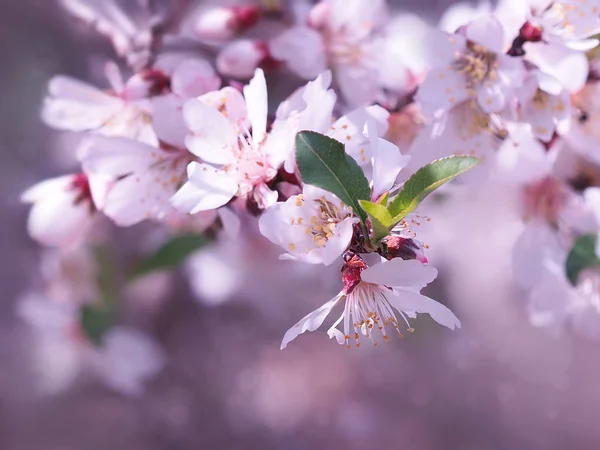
(192,134)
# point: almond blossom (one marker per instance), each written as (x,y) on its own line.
(73,105)
(132,181)
(237,162)
(544,104)
(341,35)
(370,296)
(313,227)
(471,64)
(62,211)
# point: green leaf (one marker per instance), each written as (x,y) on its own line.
(323,162)
(381,220)
(581,256)
(383,200)
(427,179)
(96,320)
(171,254)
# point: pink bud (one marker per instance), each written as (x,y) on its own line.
(221,24)
(216,24)
(400,247)
(530,33)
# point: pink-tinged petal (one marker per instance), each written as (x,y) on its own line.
(239,59)
(47,189)
(144,195)
(311,91)
(116,156)
(387,161)
(75,114)
(72,89)
(320,101)
(194,77)
(487,31)
(100,186)
(302,49)
(311,321)
(167,120)
(255,94)
(214,136)
(60,221)
(412,301)
(442,89)
(229,102)
(264,196)
(207,188)
(568,66)
(400,273)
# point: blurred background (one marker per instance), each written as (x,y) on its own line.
(496,384)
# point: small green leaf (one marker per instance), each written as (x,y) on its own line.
(427,179)
(323,162)
(96,320)
(381,220)
(383,200)
(172,253)
(581,256)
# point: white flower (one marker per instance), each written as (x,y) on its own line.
(236,162)
(223,23)
(311,108)
(141,178)
(342,36)
(471,66)
(370,296)
(567,22)
(62,210)
(77,106)
(543,103)
(313,227)
(465,130)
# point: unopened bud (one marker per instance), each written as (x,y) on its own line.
(401,247)
(530,33)
(224,23)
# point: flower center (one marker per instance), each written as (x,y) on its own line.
(544,200)
(371,314)
(477,65)
(324,222)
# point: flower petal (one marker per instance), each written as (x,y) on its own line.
(214,135)
(411,301)
(311,321)
(207,188)
(400,273)
(255,94)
